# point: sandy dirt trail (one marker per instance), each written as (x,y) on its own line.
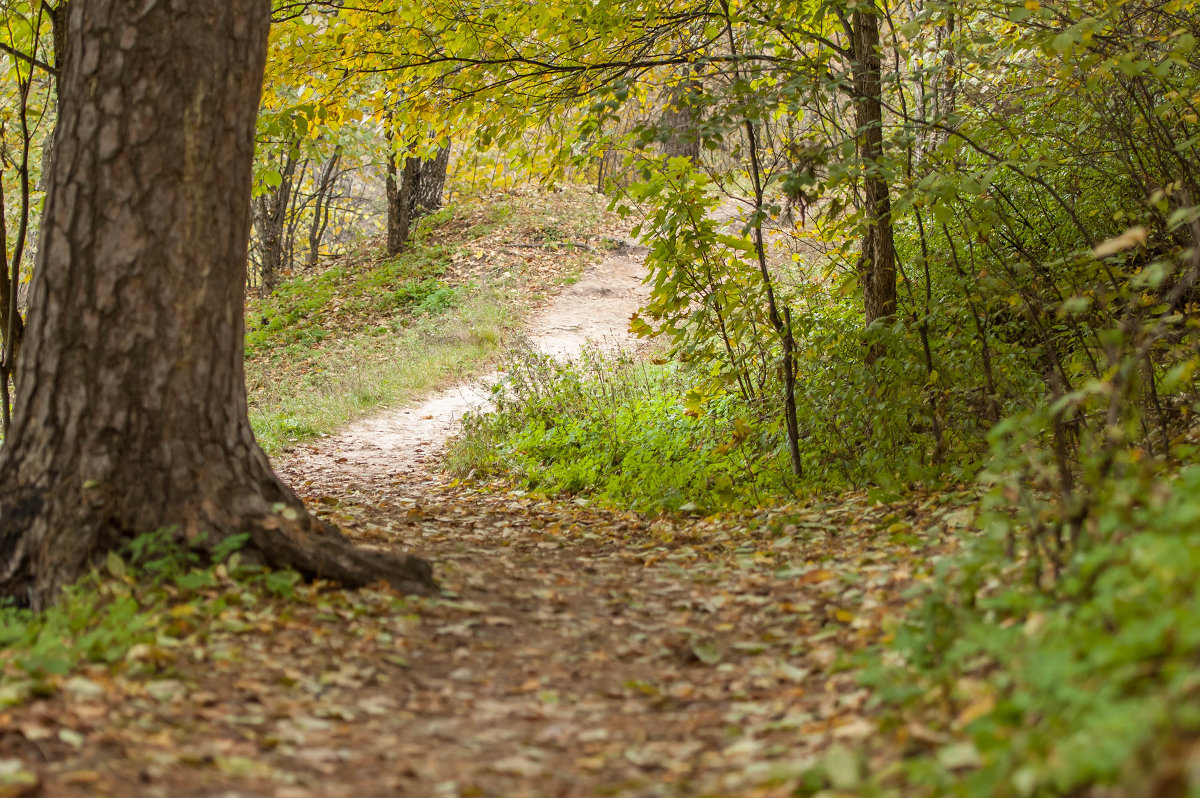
(573,652)
(407,441)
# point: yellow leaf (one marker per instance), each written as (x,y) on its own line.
(815,577)
(975,710)
(1130,238)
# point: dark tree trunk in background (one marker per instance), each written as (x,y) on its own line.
(878,265)
(58,28)
(320,220)
(131,403)
(399,204)
(12,324)
(412,192)
(431,183)
(270,220)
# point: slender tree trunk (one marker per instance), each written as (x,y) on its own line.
(397,208)
(58,27)
(878,265)
(294,215)
(271,221)
(405,203)
(678,123)
(324,189)
(400,190)
(12,324)
(132,394)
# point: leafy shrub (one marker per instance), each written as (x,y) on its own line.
(1064,638)
(608,426)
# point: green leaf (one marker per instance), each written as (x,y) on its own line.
(706,653)
(1182,216)
(959,756)
(1062,42)
(1074,306)
(843,768)
(1178,375)
(115,565)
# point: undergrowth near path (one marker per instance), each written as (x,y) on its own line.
(1047,654)
(610,428)
(366,330)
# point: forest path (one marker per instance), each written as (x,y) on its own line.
(406,442)
(578,651)
(573,651)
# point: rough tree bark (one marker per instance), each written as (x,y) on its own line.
(878,263)
(400,203)
(131,399)
(431,183)
(413,191)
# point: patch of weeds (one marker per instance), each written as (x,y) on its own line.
(150,596)
(433,223)
(307,310)
(620,430)
(1037,665)
(551,234)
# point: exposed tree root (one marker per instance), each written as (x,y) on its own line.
(318,550)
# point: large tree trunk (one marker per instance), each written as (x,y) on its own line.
(878,269)
(131,404)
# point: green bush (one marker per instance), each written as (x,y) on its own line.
(1064,638)
(606,426)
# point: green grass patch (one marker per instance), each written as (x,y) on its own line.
(359,293)
(147,599)
(621,431)
(325,385)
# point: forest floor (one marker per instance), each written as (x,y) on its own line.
(574,651)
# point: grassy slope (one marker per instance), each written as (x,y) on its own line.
(370,331)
